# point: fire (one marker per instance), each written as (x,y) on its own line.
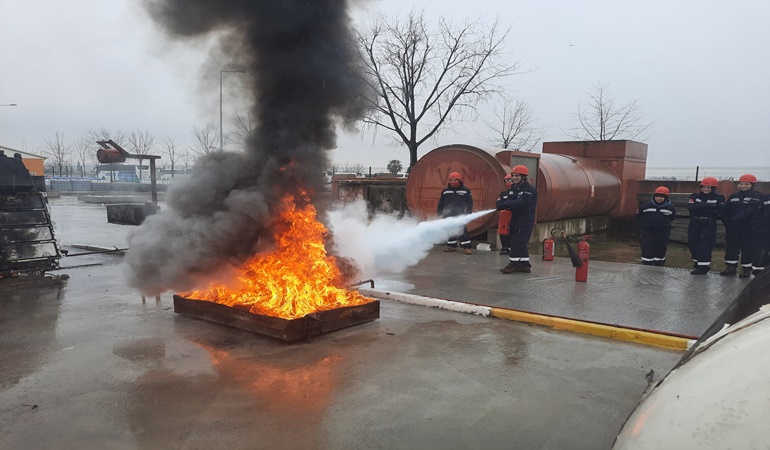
(296,279)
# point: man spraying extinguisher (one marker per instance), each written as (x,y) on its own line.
(521,201)
(456,200)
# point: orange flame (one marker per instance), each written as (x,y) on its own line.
(296,279)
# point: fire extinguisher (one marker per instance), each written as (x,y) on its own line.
(583,253)
(548,248)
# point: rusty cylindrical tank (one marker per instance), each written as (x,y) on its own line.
(481,173)
(567,186)
(572,186)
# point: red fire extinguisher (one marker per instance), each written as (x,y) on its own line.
(548,248)
(583,253)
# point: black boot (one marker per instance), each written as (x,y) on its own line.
(756,272)
(505,251)
(745,272)
(510,268)
(700,270)
(514,268)
(731,269)
(659,263)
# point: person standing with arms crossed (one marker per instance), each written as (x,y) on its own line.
(705,208)
(742,211)
(763,246)
(521,201)
(456,200)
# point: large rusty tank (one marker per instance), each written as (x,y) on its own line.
(568,186)
(575,186)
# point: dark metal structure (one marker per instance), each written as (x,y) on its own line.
(287,330)
(111,153)
(27,242)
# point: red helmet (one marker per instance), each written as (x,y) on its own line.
(456,175)
(662,190)
(520,170)
(710,181)
(748,177)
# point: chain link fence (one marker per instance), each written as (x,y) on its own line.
(695,173)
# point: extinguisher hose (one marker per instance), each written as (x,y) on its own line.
(559,235)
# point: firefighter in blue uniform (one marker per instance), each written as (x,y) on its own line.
(655,217)
(505,239)
(763,245)
(705,208)
(521,200)
(456,200)
(741,226)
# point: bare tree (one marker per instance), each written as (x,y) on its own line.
(58,150)
(102,133)
(82,151)
(423,79)
(187,158)
(172,152)
(514,128)
(602,120)
(140,143)
(244,127)
(206,140)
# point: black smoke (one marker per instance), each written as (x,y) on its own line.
(297,56)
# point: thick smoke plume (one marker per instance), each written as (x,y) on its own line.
(386,244)
(298,56)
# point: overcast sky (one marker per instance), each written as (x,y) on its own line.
(699,70)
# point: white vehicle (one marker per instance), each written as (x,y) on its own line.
(166,174)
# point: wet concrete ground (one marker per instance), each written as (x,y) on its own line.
(87,364)
(663,299)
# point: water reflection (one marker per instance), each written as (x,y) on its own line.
(29,311)
(240,382)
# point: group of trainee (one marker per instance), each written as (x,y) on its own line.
(745,215)
(518,202)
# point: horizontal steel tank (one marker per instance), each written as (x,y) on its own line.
(568,187)
(574,186)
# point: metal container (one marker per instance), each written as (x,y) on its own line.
(482,173)
(567,186)
(572,186)
(287,330)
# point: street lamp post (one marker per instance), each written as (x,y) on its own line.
(9,104)
(221,73)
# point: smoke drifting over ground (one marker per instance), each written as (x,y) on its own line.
(387,244)
(297,56)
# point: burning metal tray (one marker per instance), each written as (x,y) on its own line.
(287,330)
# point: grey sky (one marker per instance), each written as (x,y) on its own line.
(699,70)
